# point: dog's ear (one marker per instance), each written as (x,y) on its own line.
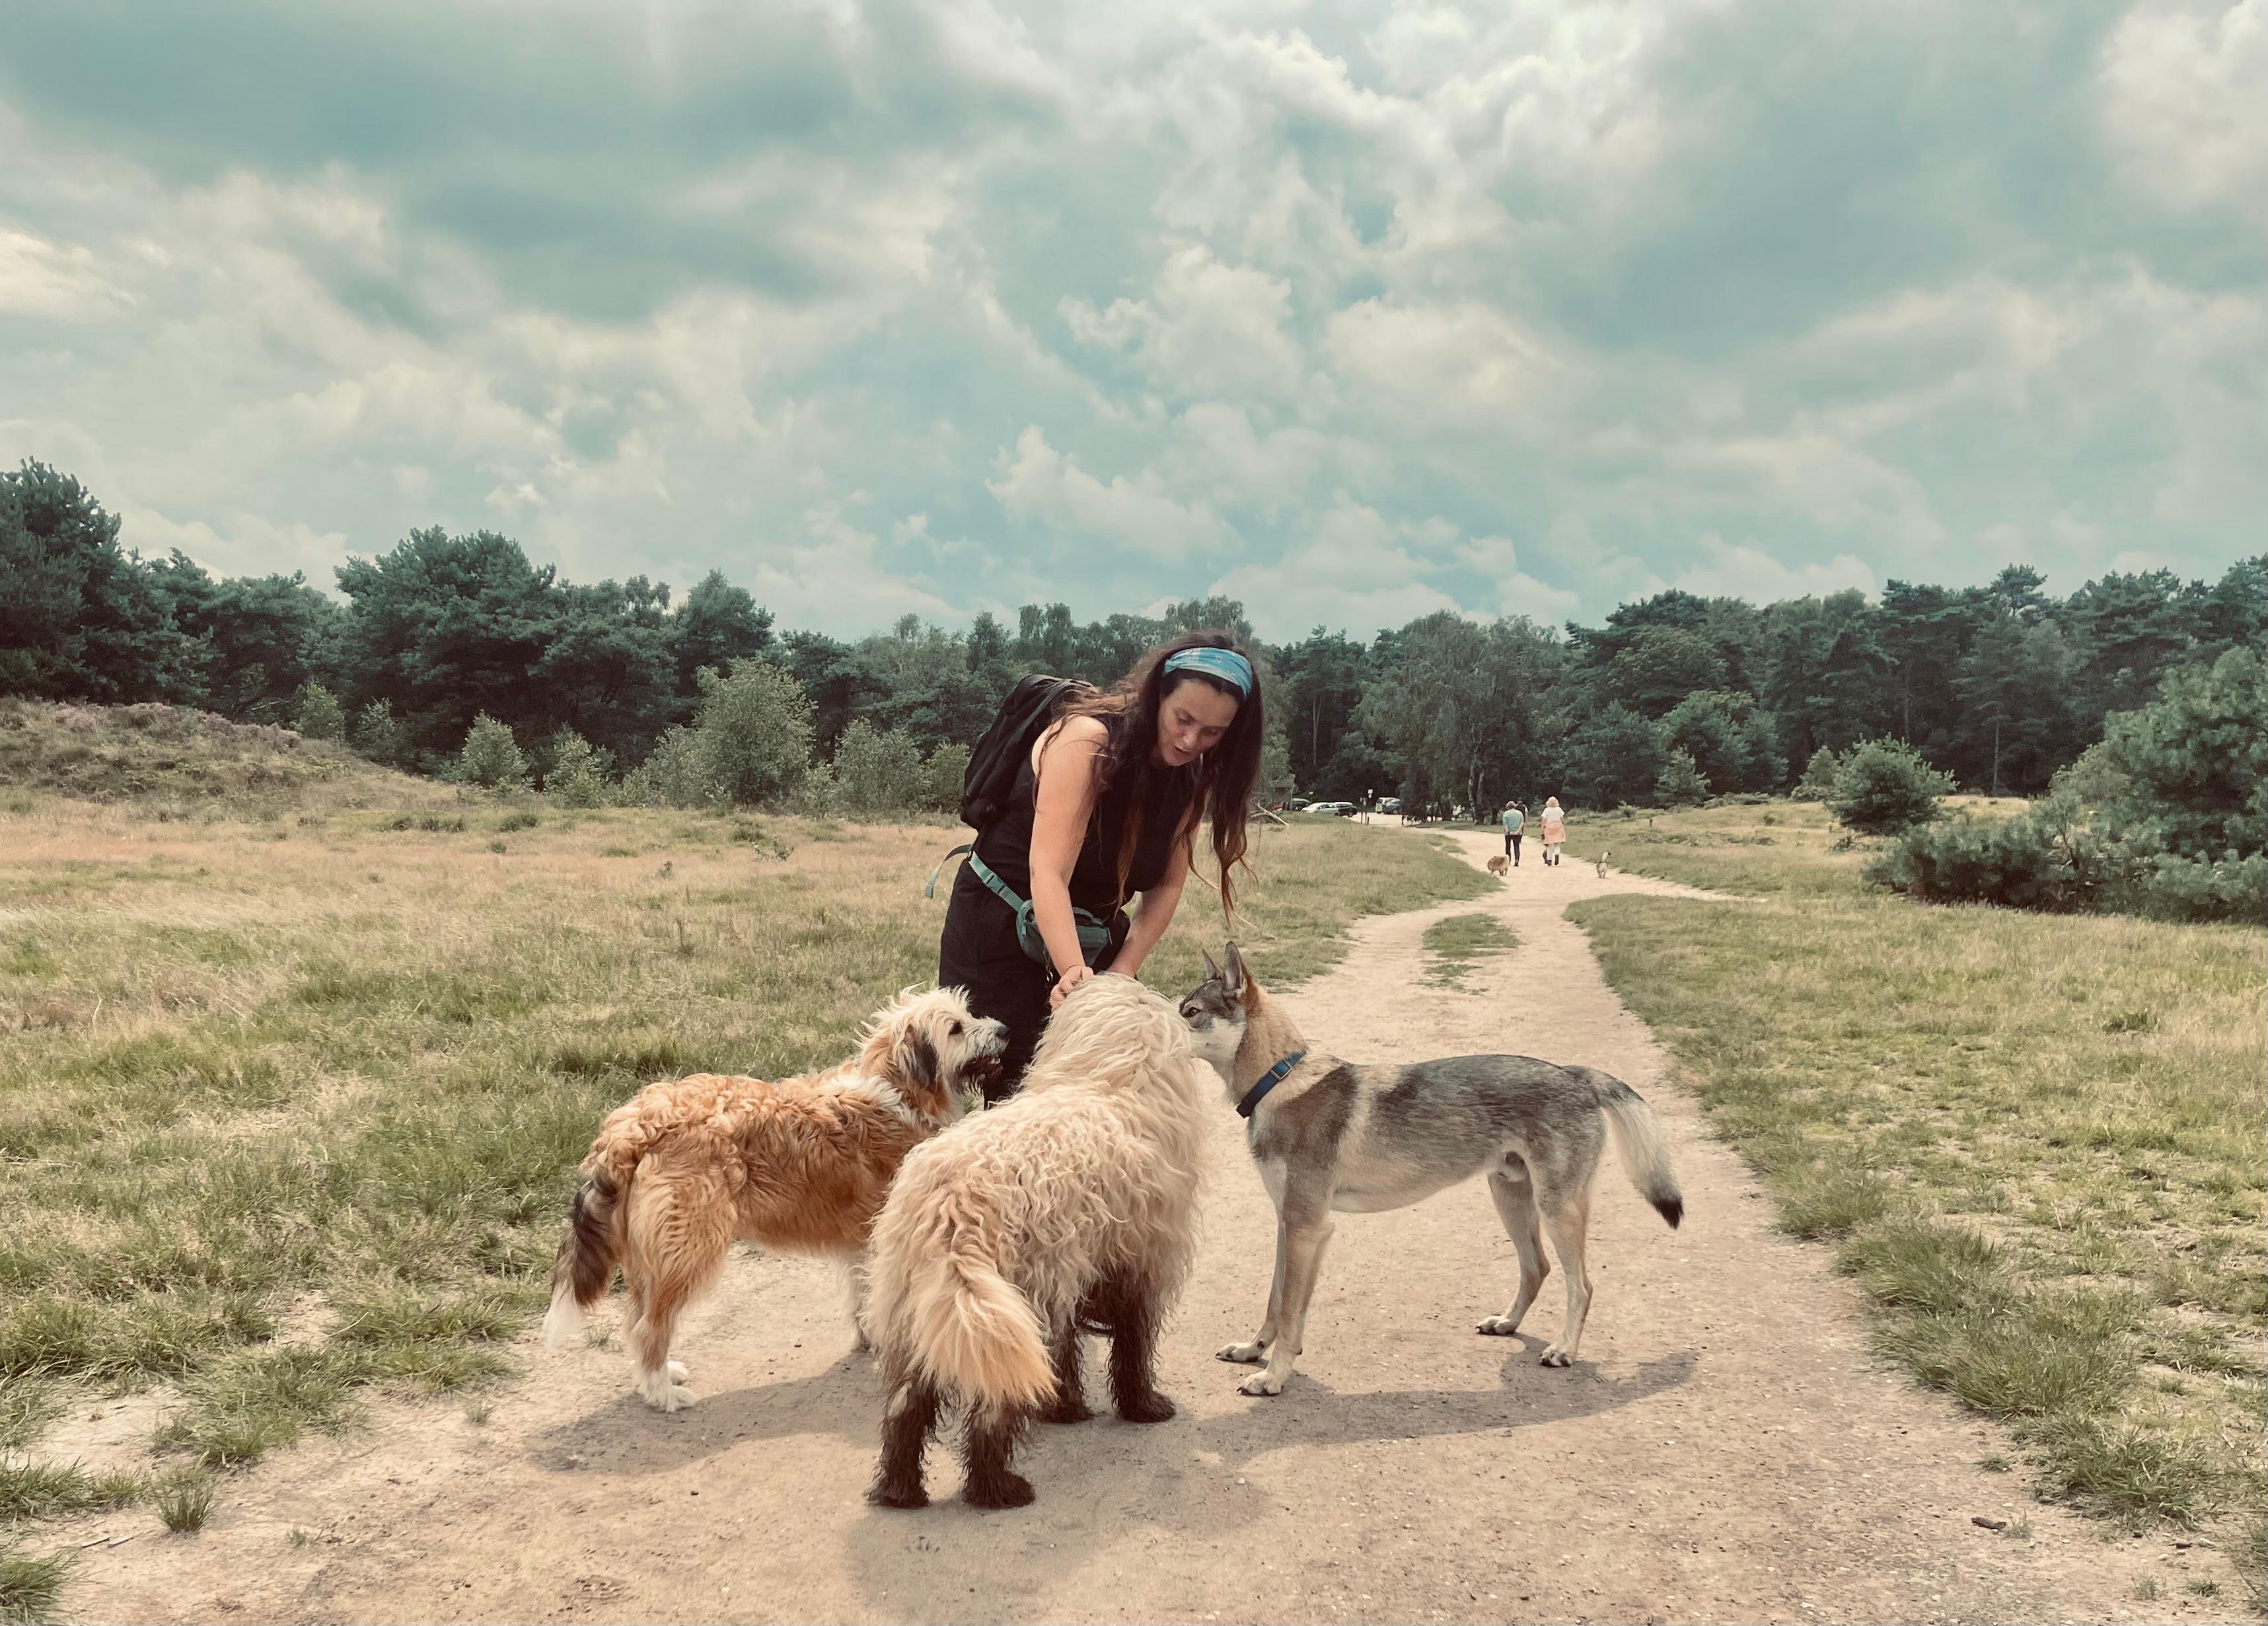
(917,1057)
(1213,971)
(1233,973)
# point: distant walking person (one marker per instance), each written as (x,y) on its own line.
(1515,820)
(1555,830)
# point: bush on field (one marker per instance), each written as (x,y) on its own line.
(1884,786)
(379,736)
(1680,784)
(754,730)
(2016,863)
(818,794)
(492,757)
(1818,781)
(948,767)
(880,773)
(2167,817)
(673,775)
(316,713)
(578,774)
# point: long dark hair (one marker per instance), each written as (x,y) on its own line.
(1224,776)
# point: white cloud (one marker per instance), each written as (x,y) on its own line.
(1742,571)
(1208,329)
(2185,95)
(1037,484)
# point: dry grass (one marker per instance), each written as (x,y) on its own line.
(2039,1141)
(349,1059)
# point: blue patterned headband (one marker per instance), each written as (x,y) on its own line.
(1227,665)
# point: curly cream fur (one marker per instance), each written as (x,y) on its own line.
(997,1229)
(686,1167)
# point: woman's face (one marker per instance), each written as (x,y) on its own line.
(1192,717)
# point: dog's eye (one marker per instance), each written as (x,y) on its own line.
(952,1030)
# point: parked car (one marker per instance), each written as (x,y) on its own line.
(1389,804)
(1297,804)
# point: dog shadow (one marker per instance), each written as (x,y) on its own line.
(1177,1478)
(629,1436)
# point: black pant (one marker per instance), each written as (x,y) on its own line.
(1511,846)
(978,952)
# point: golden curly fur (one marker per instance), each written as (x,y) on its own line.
(1073,1205)
(688,1167)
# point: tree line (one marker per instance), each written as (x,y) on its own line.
(1673,699)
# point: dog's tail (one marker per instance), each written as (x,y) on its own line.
(1638,1138)
(587,1254)
(969,1330)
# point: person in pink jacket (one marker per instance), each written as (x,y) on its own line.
(1555,830)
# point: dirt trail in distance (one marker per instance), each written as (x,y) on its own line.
(1727,1449)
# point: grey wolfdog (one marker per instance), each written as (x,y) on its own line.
(1332,1135)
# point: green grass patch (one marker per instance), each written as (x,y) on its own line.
(30,1587)
(2036,1142)
(44,1490)
(1457,942)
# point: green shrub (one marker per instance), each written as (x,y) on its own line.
(492,757)
(2168,887)
(1884,786)
(316,713)
(1680,784)
(880,773)
(1818,781)
(578,775)
(948,767)
(754,732)
(2015,863)
(379,736)
(674,774)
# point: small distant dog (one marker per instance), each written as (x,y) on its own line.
(1072,1208)
(688,1167)
(1499,864)
(1602,864)
(1332,1135)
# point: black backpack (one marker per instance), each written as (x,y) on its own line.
(1031,706)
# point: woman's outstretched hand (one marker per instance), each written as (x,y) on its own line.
(1065,983)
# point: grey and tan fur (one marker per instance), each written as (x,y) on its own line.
(1602,864)
(1336,1136)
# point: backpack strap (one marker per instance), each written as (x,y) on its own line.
(930,891)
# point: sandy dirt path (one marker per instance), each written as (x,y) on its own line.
(1725,1450)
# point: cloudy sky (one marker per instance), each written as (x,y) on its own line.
(1356,311)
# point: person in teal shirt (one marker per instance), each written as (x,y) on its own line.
(1515,818)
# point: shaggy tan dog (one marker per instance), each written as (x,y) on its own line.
(687,1167)
(1499,864)
(1072,1208)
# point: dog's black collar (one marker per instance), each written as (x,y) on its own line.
(1269,1080)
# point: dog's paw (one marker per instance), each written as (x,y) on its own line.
(898,1496)
(1067,1411)
(1150,1408)
(667,1396)
(1557,1357)
(677,1372)
(1001,1490)
(1244,1354)
(1497,1327)
(1261,1383)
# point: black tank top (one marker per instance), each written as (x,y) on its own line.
(1006,846)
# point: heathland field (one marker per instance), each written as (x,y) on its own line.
(288,1104)
(2037,1141)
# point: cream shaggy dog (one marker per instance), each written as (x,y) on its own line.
(688,1167)
(1071,1208)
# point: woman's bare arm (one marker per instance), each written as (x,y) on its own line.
(1155,912)
(1063,800)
